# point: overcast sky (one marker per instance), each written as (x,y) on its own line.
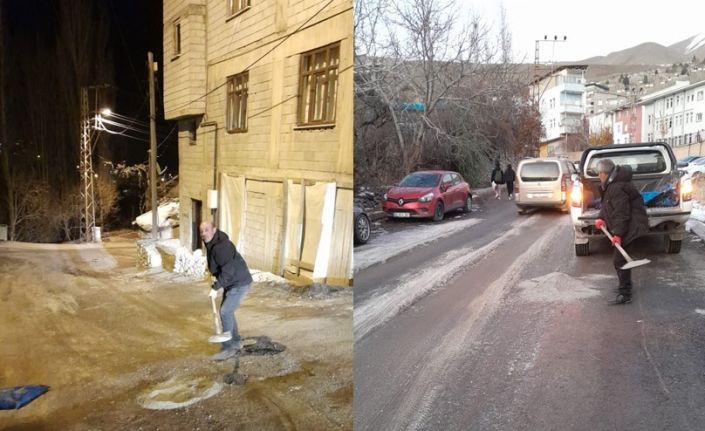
(593,28)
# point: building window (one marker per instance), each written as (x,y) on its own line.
(698,117)
(236,110)
(318,86)
(649,119)
(237,6)
(700,95)
(177,37)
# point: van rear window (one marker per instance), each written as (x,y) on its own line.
(641,162)
(539,171)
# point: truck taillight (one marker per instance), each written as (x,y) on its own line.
(564,183)
(576,195)
(686,189)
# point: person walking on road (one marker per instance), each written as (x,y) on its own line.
(509,177)
(232,274)
(497,179)
(624,215)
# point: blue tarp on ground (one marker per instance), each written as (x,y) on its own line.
(20,396)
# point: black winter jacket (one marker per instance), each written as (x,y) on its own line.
(623,206)
(225,263)
(497,176)
(509,175)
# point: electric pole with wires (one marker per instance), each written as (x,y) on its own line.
(86,171)
(152,67)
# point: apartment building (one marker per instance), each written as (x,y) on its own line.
(675,115)
(560,97)
(627,124)
(262,92)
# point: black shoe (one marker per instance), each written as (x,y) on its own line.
(622,299)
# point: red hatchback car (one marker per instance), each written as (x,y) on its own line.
(428,194)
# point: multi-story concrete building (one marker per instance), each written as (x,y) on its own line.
(263,93)
(627,124)
(675,115)
(599,98)
(559,95)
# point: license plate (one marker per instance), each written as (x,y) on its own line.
(401,215)
(539,195)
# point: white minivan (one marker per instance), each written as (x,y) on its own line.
(544,182)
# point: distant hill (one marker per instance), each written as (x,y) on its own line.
(654,53)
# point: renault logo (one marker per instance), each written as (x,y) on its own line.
(401,202)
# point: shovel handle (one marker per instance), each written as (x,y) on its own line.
(619,247)
(215,310)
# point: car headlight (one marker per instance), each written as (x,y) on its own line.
(426,198)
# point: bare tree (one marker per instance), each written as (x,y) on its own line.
(433,89)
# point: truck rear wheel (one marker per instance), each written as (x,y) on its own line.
(582,249)
(672,246)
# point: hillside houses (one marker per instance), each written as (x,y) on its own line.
(655,106)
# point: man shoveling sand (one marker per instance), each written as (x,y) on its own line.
(232,274)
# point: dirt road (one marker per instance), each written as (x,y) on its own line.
(106,335)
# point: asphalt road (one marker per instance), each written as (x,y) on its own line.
(501,327)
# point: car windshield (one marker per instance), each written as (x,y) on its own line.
(539,171)
(641,162)
(700,161)
(420,180)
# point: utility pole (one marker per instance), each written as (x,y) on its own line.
(86,170)
(152,66)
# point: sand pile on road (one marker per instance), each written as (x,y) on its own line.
(556,287)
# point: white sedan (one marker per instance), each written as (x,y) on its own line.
(696,167)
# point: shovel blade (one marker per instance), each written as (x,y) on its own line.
(636,263)
(220,338)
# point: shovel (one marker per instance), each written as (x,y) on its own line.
(631,263)
(220,336)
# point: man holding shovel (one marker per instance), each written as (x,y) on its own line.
(622,213)
(232,274)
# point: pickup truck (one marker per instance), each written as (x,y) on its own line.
(666,191)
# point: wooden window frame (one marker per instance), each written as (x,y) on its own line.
(234,8)
(305,112)
(176,31)
(238,94)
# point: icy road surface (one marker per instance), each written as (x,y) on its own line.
(499,326)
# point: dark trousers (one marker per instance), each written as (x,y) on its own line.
(624,275)
(510,188)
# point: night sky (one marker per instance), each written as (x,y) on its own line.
(136,27)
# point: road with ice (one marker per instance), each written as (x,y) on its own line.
(498,326)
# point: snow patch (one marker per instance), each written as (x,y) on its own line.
(167,216)
(379,309)
(695,43)
(698,212)
(384,247)
(556,287)
(192,265)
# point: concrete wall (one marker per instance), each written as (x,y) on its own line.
(185,74)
